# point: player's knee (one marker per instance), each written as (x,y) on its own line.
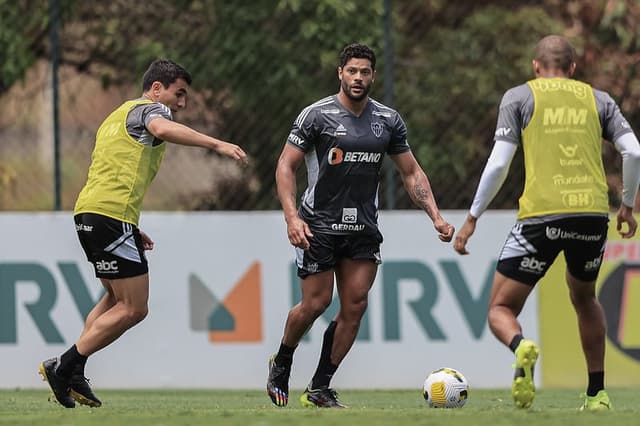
(136,314)
(315,307)
(354,311)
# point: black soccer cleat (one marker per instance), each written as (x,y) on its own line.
(60,385)
(81,391)
(278,383)
(324,398)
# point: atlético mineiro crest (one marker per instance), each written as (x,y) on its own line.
(377,128)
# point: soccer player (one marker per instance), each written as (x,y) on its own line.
(560,123)
(129,148)
(343,139)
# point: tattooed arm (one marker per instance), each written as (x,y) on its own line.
(418,187)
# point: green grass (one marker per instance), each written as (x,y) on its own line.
(244,408)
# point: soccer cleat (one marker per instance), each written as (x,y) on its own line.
(81,391)
(523,389)
(278,383)
(324,397)
(599,402)
(58,384)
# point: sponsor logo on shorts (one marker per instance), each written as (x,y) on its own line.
(555,233)
(107,267)
(531,264)
(83,227)
(311,268)
(593,265)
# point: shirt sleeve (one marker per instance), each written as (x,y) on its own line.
(494,174)
(303,131)
(614,125)
(398,142)
(510,115)
(149,112)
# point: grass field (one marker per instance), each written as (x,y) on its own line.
(243,408)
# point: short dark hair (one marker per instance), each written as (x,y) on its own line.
(166,72)
(555,52)
(357,50)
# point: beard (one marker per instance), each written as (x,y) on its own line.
(347,91)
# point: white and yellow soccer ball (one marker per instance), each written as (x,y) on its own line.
(445,388)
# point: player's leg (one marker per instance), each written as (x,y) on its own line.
(80,388)
(583,257)
(505,304)
(317,291)
(116,251)
(315,269)
(354,278)
(592,329)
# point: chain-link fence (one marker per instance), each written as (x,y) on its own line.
(443,65)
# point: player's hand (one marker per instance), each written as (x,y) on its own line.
(445,230)
(463,235)
(298,232)
(147,242)
(233,151)
(625,216)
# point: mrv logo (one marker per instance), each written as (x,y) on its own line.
(394,275)
(238,317)
(14,275)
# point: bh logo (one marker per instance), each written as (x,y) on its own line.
(238,318)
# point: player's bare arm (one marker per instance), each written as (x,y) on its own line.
(464,233)
(418,187)
(177,133)
(298,230)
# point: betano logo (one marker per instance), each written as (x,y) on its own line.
(236,319)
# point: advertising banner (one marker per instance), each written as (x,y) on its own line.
(221,285)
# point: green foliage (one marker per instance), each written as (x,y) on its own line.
(256,64)
(21,23)
(450,82)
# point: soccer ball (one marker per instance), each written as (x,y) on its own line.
(445,388)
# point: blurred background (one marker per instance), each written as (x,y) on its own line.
(443,64)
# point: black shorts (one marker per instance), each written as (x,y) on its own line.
(533,245)
(326,249)
(113,247)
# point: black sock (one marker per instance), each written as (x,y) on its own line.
(596,383)
(78,369)
(69,360)
(326,369)
(284,357)
(515,342)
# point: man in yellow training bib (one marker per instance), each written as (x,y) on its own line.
(560,123)
(129,148)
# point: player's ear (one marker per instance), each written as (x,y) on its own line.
(340,73)
(572,69)
(536,67)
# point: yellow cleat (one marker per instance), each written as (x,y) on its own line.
(523,389)
(599,402)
